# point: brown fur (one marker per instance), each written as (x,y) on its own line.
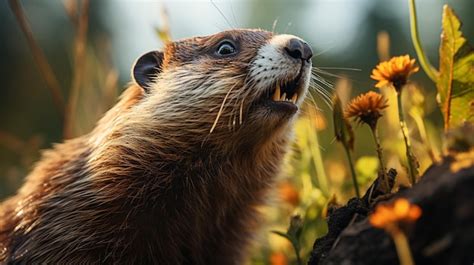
(150,184)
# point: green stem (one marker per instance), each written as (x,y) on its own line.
(351,166)
(424,135)
(412,168)
(380,155)
(425,64)
(318,160)
(297,252)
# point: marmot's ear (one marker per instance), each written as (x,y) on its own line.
(146,68)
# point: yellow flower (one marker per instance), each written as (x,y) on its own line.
(366,108)
(389,216)
(394,72)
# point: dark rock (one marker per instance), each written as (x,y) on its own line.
(443,235)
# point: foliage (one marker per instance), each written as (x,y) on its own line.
(293,235)
(345,135)
(456,93)
(456,73)
(342,128)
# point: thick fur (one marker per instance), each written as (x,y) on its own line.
(151,183)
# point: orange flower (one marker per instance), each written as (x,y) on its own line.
(389,216)
(278,258)
(289,193)
(366,108)
(463,160)
(394,72)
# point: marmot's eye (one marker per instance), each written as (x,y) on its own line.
(226,48)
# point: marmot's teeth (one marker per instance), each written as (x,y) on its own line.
(276,95)
(294,98)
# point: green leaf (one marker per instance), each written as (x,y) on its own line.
(293,234)
(456,73)
(282,235)
(342,128)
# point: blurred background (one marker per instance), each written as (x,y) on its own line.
(343,34)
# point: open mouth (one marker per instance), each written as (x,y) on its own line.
(287,91)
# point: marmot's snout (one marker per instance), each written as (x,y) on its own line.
(299,49)
(283,67)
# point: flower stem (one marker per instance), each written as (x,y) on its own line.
(420,124)
(412,167)
(383,169)
(80,49)
(403,248)
(297,253)
(351,166)
(318,160)
(425,64)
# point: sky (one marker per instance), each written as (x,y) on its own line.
(333,27)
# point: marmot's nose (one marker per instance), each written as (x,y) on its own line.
(299,49)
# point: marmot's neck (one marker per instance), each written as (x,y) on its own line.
(136,142)
(142,159)
(201,192)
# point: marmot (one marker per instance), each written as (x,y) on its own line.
(173,173)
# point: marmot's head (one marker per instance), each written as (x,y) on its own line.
(241,84)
